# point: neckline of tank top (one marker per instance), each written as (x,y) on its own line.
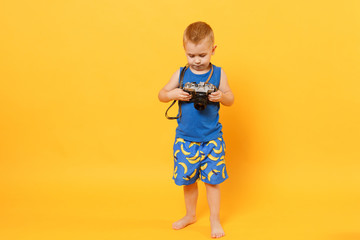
(202,74)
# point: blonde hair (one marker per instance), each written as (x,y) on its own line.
(198,31)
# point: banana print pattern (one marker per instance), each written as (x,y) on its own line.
(212,157)
(187,178)
(180,140)
(212,173)
(183,151)
(203,161)
(184,166)
(194,157)
(175,174)
(194,143)
(176,152)
(219,150)
(203,167)
(212,142)
(221,162)
(223,172)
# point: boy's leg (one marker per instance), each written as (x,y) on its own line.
(191,195)
(213,197)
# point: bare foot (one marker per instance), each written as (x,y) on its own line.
(187,220)
(216,229)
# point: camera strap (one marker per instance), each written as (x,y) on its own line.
(212,70)
(181,86)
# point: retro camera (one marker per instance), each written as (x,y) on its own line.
(199,93)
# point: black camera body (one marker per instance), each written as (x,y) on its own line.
(199,93)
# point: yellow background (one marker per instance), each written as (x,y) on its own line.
(85,149)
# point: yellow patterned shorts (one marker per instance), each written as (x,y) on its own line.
(199,160)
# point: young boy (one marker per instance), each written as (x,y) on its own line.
(199,149)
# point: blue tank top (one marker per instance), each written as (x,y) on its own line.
(195,125)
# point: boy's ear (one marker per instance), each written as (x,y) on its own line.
(213,49)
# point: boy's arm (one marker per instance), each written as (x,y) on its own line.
(171,90)
(224,94)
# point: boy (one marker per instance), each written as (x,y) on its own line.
(199,149)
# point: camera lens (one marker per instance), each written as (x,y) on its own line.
(200,106)
(200,103)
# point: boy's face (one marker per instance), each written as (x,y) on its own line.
(199,55)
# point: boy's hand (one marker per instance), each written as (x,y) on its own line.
(179,94)
(215,96)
